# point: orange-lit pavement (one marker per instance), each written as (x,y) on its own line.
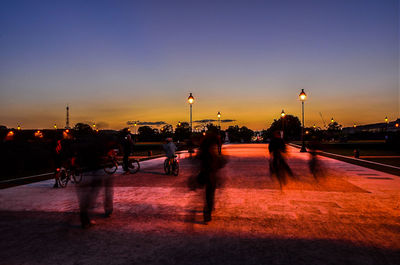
(352,216)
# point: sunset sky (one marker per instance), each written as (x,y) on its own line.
(115,61)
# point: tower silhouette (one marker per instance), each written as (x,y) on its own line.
(67,119)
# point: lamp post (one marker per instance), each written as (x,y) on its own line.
(283,115)
(191,100)
(219,120)
(302,97)
(135,124)
(387,127)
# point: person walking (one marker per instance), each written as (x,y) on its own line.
(277,164)
(210,163)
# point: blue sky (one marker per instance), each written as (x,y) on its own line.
(114,61)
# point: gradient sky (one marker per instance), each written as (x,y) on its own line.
(114,61)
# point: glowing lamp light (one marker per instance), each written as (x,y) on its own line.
(204,134)
(283,114)
(307,132)
(314,126)
(10,133)
(55,126)
(219,114)
(67,131)
(18,127)
(302,95)
(38,134)
(397,125)
(179,123)
(386,119)
(190,99)
(332,120)
(354,125)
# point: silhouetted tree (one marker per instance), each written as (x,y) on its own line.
(146,133)
(212,127)
(182,131)
(334,130)
(246,134)
(290,124)
(237,134)
(3,132)
(166,131)
(82,129)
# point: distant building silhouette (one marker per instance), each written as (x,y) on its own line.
(374,128)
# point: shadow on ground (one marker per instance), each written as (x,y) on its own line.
(56,238)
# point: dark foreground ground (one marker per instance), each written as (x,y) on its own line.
(350,216)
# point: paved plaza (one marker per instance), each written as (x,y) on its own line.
(349,216)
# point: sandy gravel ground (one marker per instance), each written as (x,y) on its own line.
(350,216)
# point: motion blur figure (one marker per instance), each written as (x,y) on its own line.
(316,167)
(91,151)
(210,163)
(277,164)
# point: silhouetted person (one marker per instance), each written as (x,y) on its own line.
(127,146)
(278,165)
(63,154)
(315,165)
(210,163)
(91,152)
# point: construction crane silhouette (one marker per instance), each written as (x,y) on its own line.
(322,118)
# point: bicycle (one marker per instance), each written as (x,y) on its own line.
(111,164)
(171,166)
(64,175)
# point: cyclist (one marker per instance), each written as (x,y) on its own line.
(127,144)
(170,149)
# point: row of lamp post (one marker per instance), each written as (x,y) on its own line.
(303,97)
(191,101)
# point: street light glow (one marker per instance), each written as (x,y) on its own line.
(386,119)
(190,99)
(302,95)
(219,114)
(283,114)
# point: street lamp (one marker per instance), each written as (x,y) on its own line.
(219,120)
(302,97)
(283,115)
(191,100)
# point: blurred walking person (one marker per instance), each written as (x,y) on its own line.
(91,152)
(277,164)
(316,167)
(210,163)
